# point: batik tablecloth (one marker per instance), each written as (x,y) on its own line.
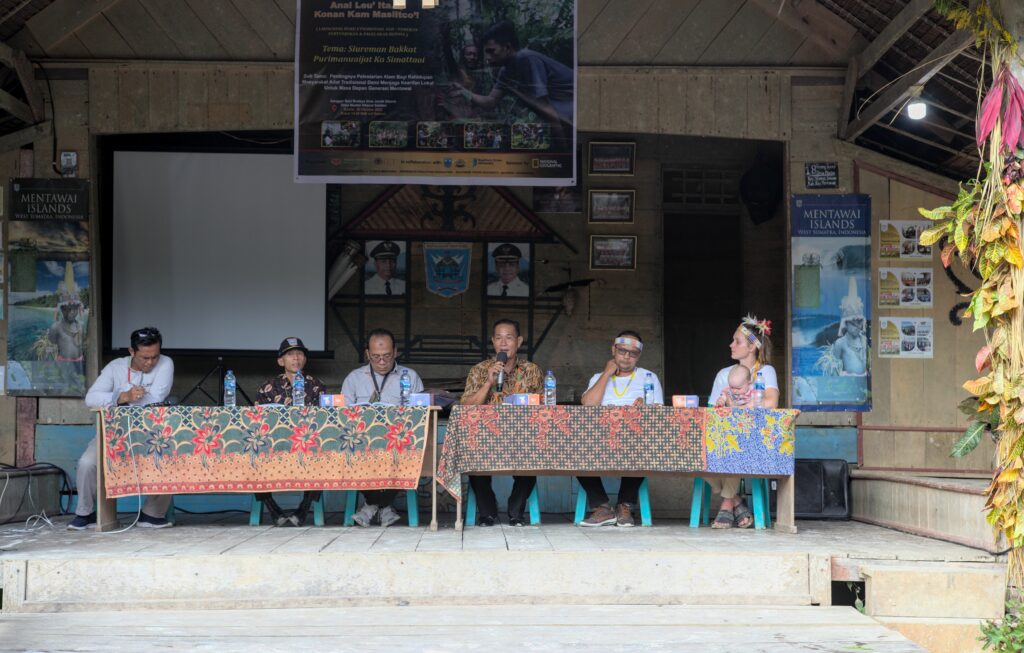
(189,449)
(616,439)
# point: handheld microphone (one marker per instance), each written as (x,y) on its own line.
(502,358)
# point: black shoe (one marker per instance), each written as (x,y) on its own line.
(489,520)
(516,521)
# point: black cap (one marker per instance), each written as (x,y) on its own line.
(506,250)
(289,344)
(385,249)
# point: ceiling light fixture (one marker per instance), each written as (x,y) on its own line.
(917,109)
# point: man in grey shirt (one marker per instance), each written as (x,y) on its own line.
(378,383)
(145,377)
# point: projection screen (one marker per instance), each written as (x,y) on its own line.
(220,251)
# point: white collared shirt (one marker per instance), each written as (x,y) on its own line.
(118,376)
(358,386)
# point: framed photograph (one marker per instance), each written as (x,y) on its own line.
(613,252)
(611,205)
(385,269)
(611,158)
(508,269)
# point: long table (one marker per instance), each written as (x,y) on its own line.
(621,441)
(198,449)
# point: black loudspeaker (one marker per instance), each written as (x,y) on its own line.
(822,489)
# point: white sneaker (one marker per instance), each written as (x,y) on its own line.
(365,515)
(388,516)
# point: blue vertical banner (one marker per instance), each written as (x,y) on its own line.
(831,345)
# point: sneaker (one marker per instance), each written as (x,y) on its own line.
(487,520)
(624,515)
(145,521)
(601,516)
(516,521)
(82,523)
(365,515)
(388,516)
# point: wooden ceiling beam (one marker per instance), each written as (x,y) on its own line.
(901,89)
(19,63)
(16,108)
(892,33)
(63,18)
(816,23)
(24,136)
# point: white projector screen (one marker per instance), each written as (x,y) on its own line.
(219,251)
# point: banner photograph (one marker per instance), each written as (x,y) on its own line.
(831,302)
(468,92)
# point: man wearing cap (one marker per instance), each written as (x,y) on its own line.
(506,263)
(620,384)
(384,282)
(291,356)
(521,376)
(378,383)
(140,379)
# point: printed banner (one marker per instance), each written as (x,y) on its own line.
(897,239)
(905,288)
(900,337)
(48,298)
(831,302)
(448,267)
(464,93)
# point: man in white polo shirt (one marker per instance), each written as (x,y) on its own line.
(620,384)
(143,378)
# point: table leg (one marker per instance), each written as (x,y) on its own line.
(785,505)
(433,473)
(106,508)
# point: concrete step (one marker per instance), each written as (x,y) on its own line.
(950,509)
(466,578)
(938,635)
(961,591)
(442,628)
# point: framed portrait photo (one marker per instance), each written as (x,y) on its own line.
(613,252)
(611,205)
(385,269)
(508,269)
(612,158)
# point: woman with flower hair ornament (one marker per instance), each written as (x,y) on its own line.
(751,347)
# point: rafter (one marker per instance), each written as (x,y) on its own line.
(892,33)
(901,88)
(824,28)
(24,136)
(18,62)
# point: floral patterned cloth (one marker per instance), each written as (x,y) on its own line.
(623,440)
(194,449)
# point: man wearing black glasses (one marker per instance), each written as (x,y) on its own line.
(143,378)
(378,383)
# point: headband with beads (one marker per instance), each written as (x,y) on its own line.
(629,342)
(755,329)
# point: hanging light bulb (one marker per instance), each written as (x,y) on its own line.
(917,110)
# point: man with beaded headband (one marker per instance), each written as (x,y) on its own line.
(751,347)
(620,384)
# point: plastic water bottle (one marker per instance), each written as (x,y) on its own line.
(649,388)
(405,383)
(230,387)
(758,398)
(299,390)
(550,389)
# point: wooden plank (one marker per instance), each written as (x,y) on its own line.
(103,100)
(763,111)
(353,540)
(142,33)
(16,60)
(398,539)
(895,30)
(185,29)
(25,441)
(193,96)
(730,113)
(697,32)
(641,113)
(700,105)
(24,136)
(586,12)
(69,48)
(609,29)
(900,90)
(266,19)
(287,7)
(777,46)
(672,102)
(63,18)
(231,29)
(735,43)
(652,31)
(103,41)
(266,541)
(133,99)
(830,32)
(163,99)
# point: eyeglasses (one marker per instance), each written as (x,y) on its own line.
(145,334)
(627,352)
(381,358)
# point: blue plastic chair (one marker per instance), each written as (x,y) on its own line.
(532,502)
(700,507)
(643,495)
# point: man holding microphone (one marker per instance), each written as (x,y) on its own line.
(488,383)
(143,378)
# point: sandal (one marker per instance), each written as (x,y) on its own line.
(744,518)
(724,519)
